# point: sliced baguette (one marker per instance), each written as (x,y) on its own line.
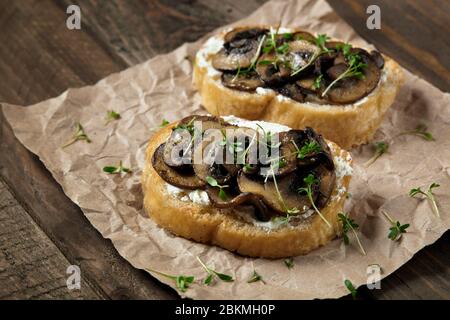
(226,228)
(347,125)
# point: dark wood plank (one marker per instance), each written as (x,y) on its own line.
(138,30)
(31,266)
(44,59)
(415,33)
(425,276)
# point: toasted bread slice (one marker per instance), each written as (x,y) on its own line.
(347,125)
(188,214)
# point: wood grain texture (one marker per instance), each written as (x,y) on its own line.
(415,33)
(31,266)
(43,58)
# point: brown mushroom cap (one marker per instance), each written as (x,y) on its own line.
(349,90)
(244,82)
(178,149)
(235,199)
(301,53)
(180,178)
(292,91)
(272,70)
(241,46)
(287,186)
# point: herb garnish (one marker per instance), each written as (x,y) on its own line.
(181,281)
(317,82)
(345,48)
(421,131)
(188,126)
(212,273)
(213,183)
(321,40)
(111,116)
(347,225)
(395,232)
(381,148)
(79,135)
(355,69)
(428,194)
(268,135)
(164,123)
(310,181)
(255,278)
(289,263)
(288,36)
(308,148)
(351,288)
(115,170)
(289,211)
(241,71)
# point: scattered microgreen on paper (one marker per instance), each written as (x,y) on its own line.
(349,224)
(111,115)
(115,170)
(428,194)
(397,229)
(255,277)
(381,147)
(182,282)
(79,135)
(351,288)
(212,274)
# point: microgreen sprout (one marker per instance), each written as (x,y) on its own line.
(421,131)
(79,135)
(317,82)
(111,116)
(212,273)
(289,263)
(397,229)
(355,69)
(308,148)
(182,282)
(289,211)
(351,288)
(349,224)
(115,170)
(381,148)
(213,183)
(255,278)
(310,181)
(245,71)
(320,42)
(428,194)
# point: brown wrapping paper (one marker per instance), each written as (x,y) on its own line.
(161,88)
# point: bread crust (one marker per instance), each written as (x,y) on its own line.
(346,125)
(209,225)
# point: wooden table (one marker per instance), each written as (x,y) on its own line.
(42,232)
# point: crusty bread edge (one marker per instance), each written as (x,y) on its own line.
(206,224)
(347,125)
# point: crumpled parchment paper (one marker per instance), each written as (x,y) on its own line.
(161,88)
